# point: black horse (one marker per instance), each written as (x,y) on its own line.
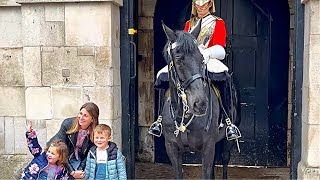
(191,113)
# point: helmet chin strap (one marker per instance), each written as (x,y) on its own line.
(203,15)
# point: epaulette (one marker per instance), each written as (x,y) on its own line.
(219,18)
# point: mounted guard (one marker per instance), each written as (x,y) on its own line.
(211,42)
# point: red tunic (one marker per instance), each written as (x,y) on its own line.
(219,34)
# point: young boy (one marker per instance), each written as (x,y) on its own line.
(104,160)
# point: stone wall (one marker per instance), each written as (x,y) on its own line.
(53,58)
(309,166)
(146,80)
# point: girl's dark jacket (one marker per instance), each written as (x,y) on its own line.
(71,140)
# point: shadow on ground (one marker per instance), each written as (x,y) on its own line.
(164,171)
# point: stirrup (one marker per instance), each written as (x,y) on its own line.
(232,132)
(156,127)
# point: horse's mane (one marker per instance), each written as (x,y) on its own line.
(185,41)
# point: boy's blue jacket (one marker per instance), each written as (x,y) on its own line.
(40,161)
(115,167)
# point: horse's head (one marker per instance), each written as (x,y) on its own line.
(186,68)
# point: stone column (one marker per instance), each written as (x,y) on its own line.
(71,55)
(12,100)
(309,166)
(146,80)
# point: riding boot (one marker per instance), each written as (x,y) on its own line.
(156,127)
(232,131)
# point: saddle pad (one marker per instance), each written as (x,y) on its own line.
(216,66)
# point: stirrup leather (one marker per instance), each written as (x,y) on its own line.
(156,127)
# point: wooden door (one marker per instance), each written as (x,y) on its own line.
(248,58)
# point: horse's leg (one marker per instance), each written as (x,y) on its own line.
(226,157)
(225,161)
(176,159)
(207,162)
(213,167)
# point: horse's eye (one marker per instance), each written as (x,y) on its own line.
(178,56)
(178,60)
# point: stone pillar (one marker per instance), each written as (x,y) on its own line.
(309,166)
(71,55)
(12,99)
(146,80)
(13,148)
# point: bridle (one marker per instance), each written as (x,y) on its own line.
(181,87)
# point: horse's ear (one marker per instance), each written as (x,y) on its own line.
(196,30)
(171,36)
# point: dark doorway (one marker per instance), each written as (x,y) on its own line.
(174,13)
(258,56)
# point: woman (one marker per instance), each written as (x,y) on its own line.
(77,133)
(211,41)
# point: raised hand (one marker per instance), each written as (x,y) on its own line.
(29,126)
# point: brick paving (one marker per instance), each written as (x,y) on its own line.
(164,171)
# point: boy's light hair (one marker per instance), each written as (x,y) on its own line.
(100,128)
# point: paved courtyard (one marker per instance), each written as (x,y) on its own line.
(164,171)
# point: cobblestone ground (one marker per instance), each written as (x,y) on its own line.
(164,171)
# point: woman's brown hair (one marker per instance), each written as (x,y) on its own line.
(93,110)
(62,150)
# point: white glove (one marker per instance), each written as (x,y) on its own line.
(214,52)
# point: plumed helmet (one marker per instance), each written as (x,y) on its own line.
(200,3)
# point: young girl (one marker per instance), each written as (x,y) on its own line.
(47,164)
